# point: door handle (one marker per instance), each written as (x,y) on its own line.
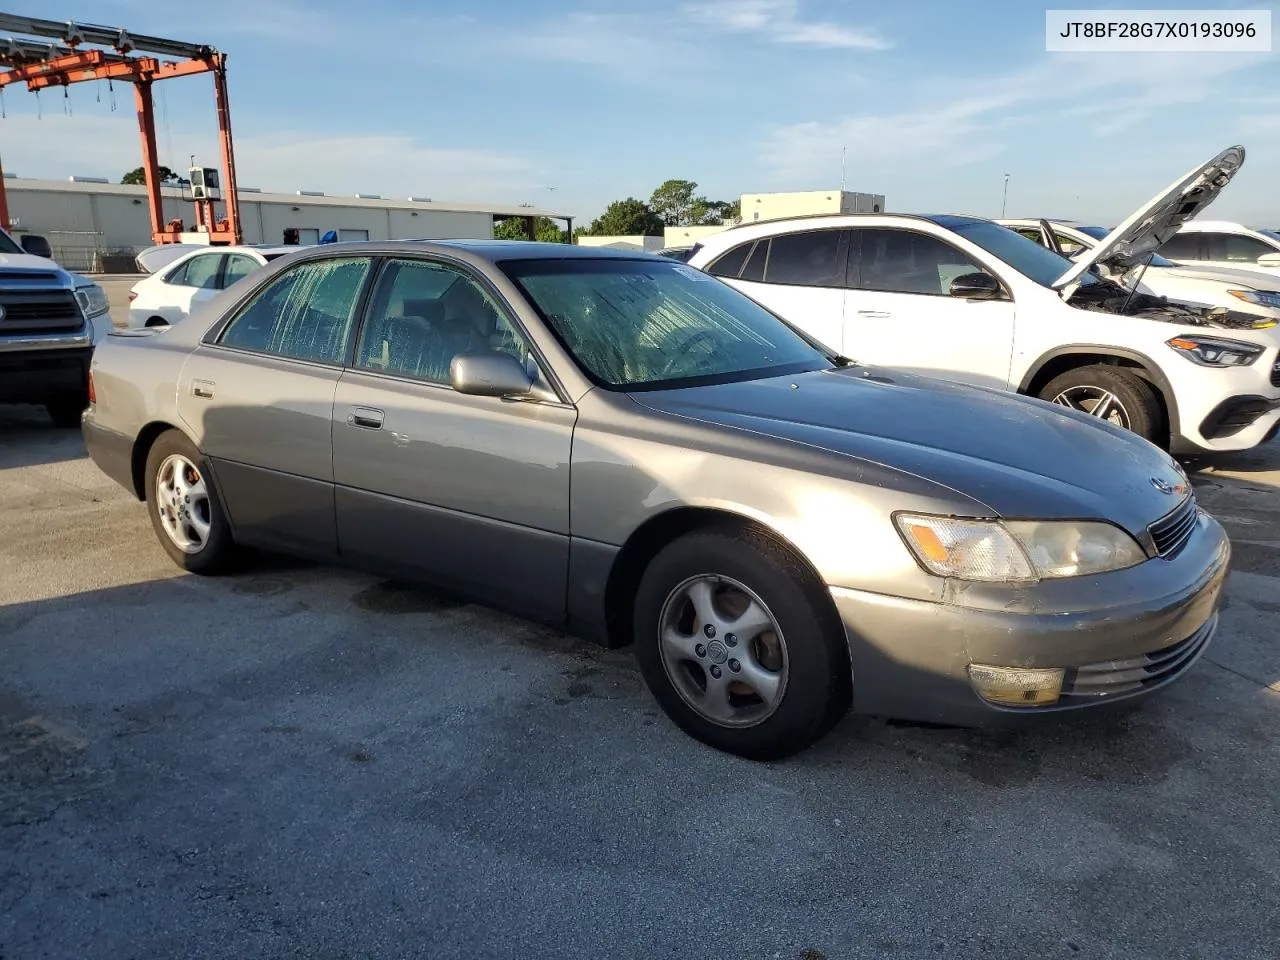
(202,388)
(878,314)
(367,418)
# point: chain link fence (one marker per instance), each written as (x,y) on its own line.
(85,251)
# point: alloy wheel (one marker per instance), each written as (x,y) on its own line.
(182,499)
(723,651)
(1095,401)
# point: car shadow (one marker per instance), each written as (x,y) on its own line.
(29,438)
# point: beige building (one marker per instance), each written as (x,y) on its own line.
(84,218)
(775,206)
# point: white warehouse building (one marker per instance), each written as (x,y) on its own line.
(84,219)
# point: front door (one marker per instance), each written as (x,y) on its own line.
(472,492)
(899,312)
(259,401)
(192,284)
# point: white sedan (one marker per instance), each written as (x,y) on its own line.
(172,292)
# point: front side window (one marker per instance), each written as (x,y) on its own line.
(307,313)
(1238,248)
(814,258)
(903,261)
(1031,259)
(422,314)
(200,272)
(636,324)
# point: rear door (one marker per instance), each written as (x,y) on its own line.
(464,490)
(799,276)
(899,311)
(192,282)
(258,396)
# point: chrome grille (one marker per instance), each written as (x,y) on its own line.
(1114,677)
(32,310)
(1172,531)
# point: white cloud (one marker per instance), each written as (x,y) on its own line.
(779,21)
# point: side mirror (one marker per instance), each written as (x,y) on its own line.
(976,286)
(1269,260)
(36,245)
(489,375)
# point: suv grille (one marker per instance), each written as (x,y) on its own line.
(1275,375)
(1172,531)
(1096,680)
(32,310)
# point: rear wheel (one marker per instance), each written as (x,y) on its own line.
(183,503)
(1110,393)
(65,411)
(734,640)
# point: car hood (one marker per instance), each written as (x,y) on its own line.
(25,261)
(1152,224)
(1019,456)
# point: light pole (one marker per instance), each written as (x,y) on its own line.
(1005,202)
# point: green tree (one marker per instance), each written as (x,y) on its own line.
(712,212)
(513,228)
(625,218)
(673,201)
(138,176)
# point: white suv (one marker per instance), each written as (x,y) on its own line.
(1217,243)
(965,299)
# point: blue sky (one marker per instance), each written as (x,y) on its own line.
(571,104)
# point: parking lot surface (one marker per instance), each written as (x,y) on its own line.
(298,761)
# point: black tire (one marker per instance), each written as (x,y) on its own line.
(1140,408)
(218,552)
(819,687)
(65,411)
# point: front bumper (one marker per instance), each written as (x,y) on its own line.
(1121,636)
(43,375)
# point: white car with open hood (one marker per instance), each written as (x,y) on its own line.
(965,299)
(1231,291)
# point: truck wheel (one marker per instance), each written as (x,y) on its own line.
(185,510)
(733,639)
(1109,393)
(65,411)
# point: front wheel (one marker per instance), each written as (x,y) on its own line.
(734,640)
(185,511)
(1109,393)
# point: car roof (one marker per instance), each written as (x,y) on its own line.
(1193,225)
(493,251)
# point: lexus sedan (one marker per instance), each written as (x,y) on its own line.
(631,449)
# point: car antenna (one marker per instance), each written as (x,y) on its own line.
(1124,309)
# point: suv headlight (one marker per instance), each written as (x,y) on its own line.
(1216,351)
(1262,298)
(93,301)
(1016,551)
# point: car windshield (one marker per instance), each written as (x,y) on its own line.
(7,245)
(649,324)
(1273,234)
(1026,256)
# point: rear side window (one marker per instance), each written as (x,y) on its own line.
(754,270)
(1182,246)
(200,272)
(812,259)
(903,261)
(730,265)
(307,313)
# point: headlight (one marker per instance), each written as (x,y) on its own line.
(1216,351)
(1017,551)
(93,301)
(1263,298)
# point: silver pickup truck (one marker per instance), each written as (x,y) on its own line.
(49,320)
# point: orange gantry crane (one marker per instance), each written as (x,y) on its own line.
(72,53)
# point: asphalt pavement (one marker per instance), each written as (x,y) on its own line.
(299,761)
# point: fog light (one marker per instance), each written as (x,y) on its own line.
(1016,686)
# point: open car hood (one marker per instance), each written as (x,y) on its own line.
(1146,230)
